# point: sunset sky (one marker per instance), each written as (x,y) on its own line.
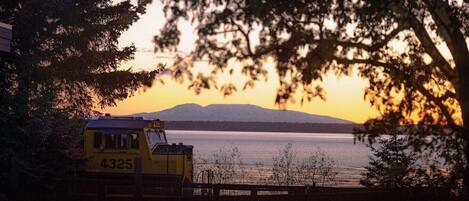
(344,94)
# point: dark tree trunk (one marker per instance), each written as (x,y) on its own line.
(461,57)
(465,113)
(457,45)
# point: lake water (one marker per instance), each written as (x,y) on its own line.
(261,147)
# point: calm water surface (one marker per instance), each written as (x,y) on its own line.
(262,146)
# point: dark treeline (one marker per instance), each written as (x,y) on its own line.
(261,126)
(64,61)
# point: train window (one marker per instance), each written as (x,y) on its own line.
(98,140)
(110,141)
(122,141)
(163,136)
(133,141)
(116,141)
(156,137)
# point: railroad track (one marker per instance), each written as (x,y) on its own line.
(111,190)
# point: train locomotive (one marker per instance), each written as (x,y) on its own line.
(112,146)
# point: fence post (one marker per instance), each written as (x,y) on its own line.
(254,192)
(210,190)
(209,176)
(14,191)
(138,179)
(216,191)
(102,191)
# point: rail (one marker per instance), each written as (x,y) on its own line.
(111,192)
(253,189)
(139,187)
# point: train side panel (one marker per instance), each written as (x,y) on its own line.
(174,160)
(103,160)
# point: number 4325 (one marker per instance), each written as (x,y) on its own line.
(116,163)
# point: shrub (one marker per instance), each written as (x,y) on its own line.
(395,165)
(316,169)
(225,165)
(283,168)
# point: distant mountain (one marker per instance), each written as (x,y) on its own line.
(237,113)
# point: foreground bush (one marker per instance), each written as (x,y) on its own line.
(394,165)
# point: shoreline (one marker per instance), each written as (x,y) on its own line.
(262,127)
(258,175)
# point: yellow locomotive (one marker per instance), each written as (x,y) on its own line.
(113,145)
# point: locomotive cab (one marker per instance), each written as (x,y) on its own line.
(112,145)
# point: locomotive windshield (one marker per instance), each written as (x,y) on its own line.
(156,137)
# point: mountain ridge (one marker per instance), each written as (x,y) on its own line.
(237,113)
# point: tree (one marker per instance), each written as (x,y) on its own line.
(225,166)
(315,169)
(283,166)
(418,89)
(393,165)
(65,60)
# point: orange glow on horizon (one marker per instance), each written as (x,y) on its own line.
(344,94)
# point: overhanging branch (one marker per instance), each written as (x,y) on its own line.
(438,101)
(427,43)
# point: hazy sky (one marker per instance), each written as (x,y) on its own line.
(344,94)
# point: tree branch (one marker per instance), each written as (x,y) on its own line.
(246,37)
(441,18)
(374,46)
(360,61)
(438,60)
(439,101)
(378,45)
(224,31)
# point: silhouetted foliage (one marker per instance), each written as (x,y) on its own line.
(396,45)
(317,169)
(393,165)
(283,167)
(65,61)
(225,165)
